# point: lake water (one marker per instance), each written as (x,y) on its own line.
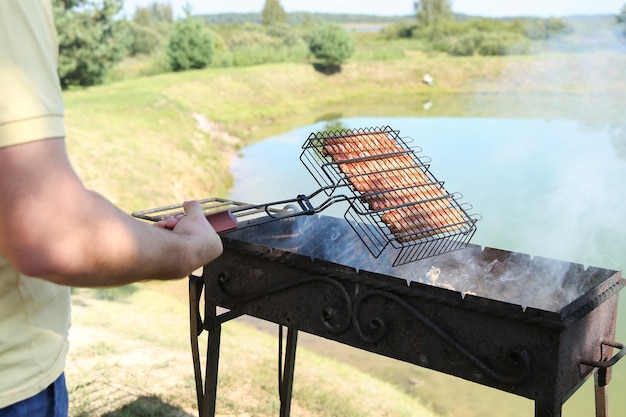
(553,188)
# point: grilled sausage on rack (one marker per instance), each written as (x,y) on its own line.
(391,182)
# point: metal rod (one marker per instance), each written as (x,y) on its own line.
(286,384)
(195,328)
(212,364)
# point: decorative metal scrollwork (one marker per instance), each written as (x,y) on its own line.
(350,315)
(519,359)
(330,317)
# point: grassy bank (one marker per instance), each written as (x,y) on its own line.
(130,357)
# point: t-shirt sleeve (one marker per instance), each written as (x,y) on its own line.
(31,102)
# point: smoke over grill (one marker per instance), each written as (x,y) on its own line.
(499,275)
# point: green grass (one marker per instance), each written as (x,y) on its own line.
(131,357)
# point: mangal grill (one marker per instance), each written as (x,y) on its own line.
(530,326)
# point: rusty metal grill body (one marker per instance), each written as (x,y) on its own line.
(283,272)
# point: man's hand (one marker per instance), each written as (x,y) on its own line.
(194,226)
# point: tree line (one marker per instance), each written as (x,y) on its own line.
(93,37)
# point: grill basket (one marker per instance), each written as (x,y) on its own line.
(377,165)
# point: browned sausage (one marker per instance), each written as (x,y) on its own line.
(421,225)
(389,178)
(363,142)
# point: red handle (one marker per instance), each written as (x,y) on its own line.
(222,221)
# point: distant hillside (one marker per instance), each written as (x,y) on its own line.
(301,17)
(297,18)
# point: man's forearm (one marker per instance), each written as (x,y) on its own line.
(52,227)
(121,250)
(110,248)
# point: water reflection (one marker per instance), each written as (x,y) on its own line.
(550,188)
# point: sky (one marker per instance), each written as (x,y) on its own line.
(491,8)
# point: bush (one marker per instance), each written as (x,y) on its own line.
(486,44)
(222,55)
(399,30)
(331,44)
(284,33)
(91,40)
(253,44)
(190,46)
(543,29)
(250,55)
(159,63)
(464,45)
(145,39)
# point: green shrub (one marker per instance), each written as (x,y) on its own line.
(464,45)
(399,30)
(331,44)
(543,29)
(284,33)
(486,44)
(250,35)
(253,44)
(145,39)
(190,46)
(222,55)
(159,63)
(90,39)
(262,54)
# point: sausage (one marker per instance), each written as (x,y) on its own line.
(405,220)
(389,179)
(401,197)
(398,172)
(363,141)
(418,225)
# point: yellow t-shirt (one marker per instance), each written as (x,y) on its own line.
(34,314)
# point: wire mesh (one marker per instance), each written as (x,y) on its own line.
(398,201)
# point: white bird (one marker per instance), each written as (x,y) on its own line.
(428,80)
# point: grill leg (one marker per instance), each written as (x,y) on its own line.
(286,383)
(548,407)
(601,390)
(212,363)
